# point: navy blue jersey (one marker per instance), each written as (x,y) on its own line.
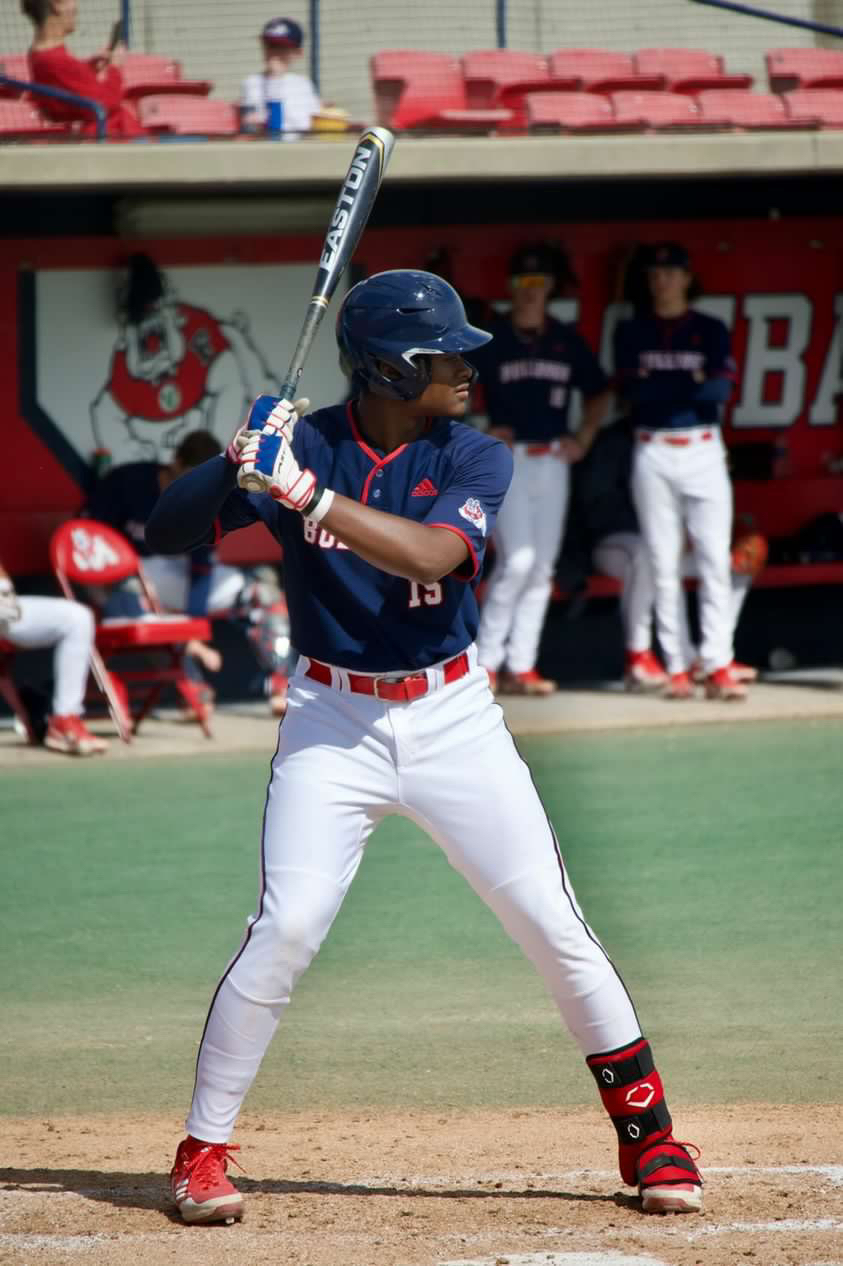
(528,379)
(675,373)
(345,611)
(124,499)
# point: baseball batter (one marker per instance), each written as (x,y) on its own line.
(675,369)
(384,507)
(528,373)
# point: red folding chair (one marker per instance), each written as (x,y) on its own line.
(599,70)
(145,74)
(789,68)
(748,111)
(688,69)
(660,111)
(84,552)
(574,112)
(487,72)
(9,690)
(188,116)
(824,105)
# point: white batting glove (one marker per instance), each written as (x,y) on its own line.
(283,415)
(9,606)
(267,460)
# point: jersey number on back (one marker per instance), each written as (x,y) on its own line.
(425,595)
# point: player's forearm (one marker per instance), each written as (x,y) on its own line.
(394,544)
(185,512)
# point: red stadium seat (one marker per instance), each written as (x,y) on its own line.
(146,74)
(21,121)
(574,112)
(789,68)
(661,111)
(425,90)
(188,116)
(750,111)
(821,104)
(597,70)
(487,73)
(87,553)
(688,69)
(16,66)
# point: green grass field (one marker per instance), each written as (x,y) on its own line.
(707,860)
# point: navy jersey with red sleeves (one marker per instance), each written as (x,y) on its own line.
(528,381)
(674,373)
(345,611)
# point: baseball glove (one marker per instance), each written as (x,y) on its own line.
(749,554)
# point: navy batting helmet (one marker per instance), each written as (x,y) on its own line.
(400,318)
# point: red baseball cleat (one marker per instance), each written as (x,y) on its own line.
(529,683)
(201,1190)
(668,1179)
(723,684)
(643,671)
(70,735)
(679,686)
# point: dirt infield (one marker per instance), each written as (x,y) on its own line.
(368,1188)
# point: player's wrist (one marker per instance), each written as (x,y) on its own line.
(319,503)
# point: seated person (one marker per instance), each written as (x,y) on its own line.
(604,529)
(99,79)
(281,42)
(195,583)
(31,622)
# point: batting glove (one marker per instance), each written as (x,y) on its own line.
(269,415)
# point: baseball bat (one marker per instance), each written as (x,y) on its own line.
(354,205)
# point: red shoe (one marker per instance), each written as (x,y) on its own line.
(668,1179)
(679,686)
(70,735)
(643,671)
(530,683)
(723,684)
(744,672)
(198,1182)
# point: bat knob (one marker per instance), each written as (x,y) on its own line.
(251,482)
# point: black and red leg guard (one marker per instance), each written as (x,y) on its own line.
(633,1096)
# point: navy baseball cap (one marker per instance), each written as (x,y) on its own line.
(283,33)
(666,255)
(534,260)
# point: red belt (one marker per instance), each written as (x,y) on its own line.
(392,689)
(678,441)
(541,450)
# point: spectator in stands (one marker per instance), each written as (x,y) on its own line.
(98,79)
(527,374)
(675,370)
(603,534)
(281,42)
(195,583)
(30,622)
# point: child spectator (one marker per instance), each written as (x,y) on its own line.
(281,41)
(98,79)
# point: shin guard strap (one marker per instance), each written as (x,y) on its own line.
(623,1067)
(634,1129)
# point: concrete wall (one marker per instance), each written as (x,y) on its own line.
(218,40)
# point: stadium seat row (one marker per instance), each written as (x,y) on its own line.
(488,89)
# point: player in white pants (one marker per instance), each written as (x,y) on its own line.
(527,374)
(383,507)
(675,370)
(32,622)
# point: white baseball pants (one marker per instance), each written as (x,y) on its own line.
(170,577)
(624,556)
(528,534)
(69,627)
(678,489)
(345,762)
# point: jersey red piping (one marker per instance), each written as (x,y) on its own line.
(471,551)
(379,462)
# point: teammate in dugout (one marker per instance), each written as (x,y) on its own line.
(675,370)
(384,507)
(527,373)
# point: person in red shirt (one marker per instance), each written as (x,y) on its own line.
(99,79)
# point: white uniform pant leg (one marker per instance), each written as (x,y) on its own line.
(707,499)
(624,556)
(330,779)
(515,555)
(655,491)
(549,483)
(741,586)
(495,832)
(69,627)
(170,578)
